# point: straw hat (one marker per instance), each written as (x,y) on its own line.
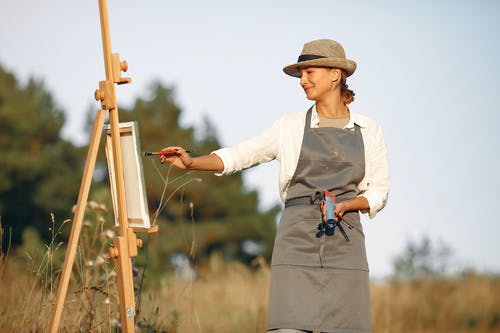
(322,53)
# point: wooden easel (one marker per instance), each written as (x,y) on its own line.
(126,244)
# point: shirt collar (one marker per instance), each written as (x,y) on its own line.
(354,118)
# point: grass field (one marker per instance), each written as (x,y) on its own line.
(224,296)
(230,297)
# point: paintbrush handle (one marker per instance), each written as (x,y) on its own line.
(160,153)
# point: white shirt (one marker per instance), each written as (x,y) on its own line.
(283,142)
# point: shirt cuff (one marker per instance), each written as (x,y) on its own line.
(224,156)
(375,203)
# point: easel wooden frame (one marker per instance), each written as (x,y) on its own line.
(126,244)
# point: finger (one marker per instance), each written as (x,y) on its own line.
(170,159)
(173,149)
(167,158)
(169,151)
(181,152)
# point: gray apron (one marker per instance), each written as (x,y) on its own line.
(321,284)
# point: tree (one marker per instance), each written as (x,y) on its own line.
(423,259)
(226,214)
(39,171)
(40,174)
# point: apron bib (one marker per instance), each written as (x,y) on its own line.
(321,284)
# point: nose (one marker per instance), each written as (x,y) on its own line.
(303,78)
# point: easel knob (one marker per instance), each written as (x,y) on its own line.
(106,95)
(98,95)
(118,67)
(113,252)
(124,66)
(139,243)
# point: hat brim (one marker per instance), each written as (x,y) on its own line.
(349,66)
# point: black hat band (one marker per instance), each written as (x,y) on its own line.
(306,57)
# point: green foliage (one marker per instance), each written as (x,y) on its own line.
(4,256)
(423,259)
(39,171)
(225,213)
(40,174)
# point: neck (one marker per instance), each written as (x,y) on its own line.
(332,107)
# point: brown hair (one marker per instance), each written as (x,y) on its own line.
(346,93)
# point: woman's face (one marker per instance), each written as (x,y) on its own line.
(319,82)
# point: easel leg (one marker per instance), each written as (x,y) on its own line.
(125,284)
(77,220)
(126,244)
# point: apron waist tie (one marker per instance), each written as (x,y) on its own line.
(305,200)
(299,201)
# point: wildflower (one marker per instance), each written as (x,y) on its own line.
(99,261)
(96,207)
(106,234)
(93,205)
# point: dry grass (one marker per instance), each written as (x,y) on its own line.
(224,297)
(230,297)
(467,303)
(28,288)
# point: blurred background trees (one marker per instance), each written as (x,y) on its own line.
(217,218)
(423,259)
(40,173)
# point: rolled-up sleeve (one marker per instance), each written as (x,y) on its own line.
(375,185)
(262,148)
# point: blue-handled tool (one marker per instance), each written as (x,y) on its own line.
(329,206)
(329,220)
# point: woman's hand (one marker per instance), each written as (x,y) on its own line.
(358,203)
(179,157)
(340,209)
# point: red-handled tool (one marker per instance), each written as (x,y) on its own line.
(162,153)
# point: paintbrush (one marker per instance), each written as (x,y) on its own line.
(160,153)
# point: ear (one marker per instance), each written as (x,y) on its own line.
(335,74)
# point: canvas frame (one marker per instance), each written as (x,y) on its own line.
(133,176)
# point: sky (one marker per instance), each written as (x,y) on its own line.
(427,73)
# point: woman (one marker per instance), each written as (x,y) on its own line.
(319,282)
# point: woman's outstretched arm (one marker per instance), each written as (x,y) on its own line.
(181,159)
